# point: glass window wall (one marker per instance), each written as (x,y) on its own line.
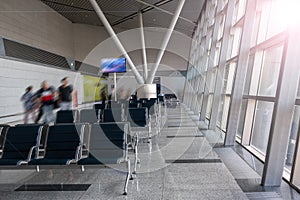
(261,126)
(265,62)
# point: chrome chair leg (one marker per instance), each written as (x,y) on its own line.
(135,159)
(127,178)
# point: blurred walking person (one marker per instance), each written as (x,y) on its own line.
(28,104)
(65,94)
(46,97)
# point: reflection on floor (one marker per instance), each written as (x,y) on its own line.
(183,161)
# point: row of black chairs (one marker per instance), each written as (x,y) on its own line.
(131,103)
(66,144)
(151,105)
(137,117)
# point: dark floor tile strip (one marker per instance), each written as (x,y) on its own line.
(263,195)
(217,145)
(194,161)
(177,126)
(178,118)
(253,185)
(202,129)
(183,136)
(54,187)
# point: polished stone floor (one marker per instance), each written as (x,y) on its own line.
(182,161)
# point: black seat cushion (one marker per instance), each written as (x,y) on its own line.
(137,117)
(107,143)
(19,140)
(92,160)
(62,143)
(9,161)
(65,116)
(112,115)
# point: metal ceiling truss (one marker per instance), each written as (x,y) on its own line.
(85,8)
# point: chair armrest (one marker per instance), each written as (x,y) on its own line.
(77,156)
(71,161)
(78,151)
(31,151)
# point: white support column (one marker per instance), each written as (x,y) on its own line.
(116,40)
(165,41)
(238,88)
(283,112)
(115,86)
(144,54)
(222,66)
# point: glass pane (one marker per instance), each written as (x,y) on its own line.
(298,94)
(262,125)
(230,78)
(292,139)
(225,78)
(202,83)
(248,75)
(239,10)
(248,121)
(255,29)
(277,22)
(235,12)
(264,7)
(224,3)
(242,7)
(296,169)
(212,13)
(217,55)
(210,41)
(236,41)
(256,73)
(209,106)
(242,118)
(221,26)
(270,71)
(205,63)
(197,83)
(200,100)
(194,102)
(220,112)
(230,45)
(213,81)
(225,113)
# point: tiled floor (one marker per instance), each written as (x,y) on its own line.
(183,161)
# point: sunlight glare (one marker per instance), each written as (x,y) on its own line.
(287,12)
